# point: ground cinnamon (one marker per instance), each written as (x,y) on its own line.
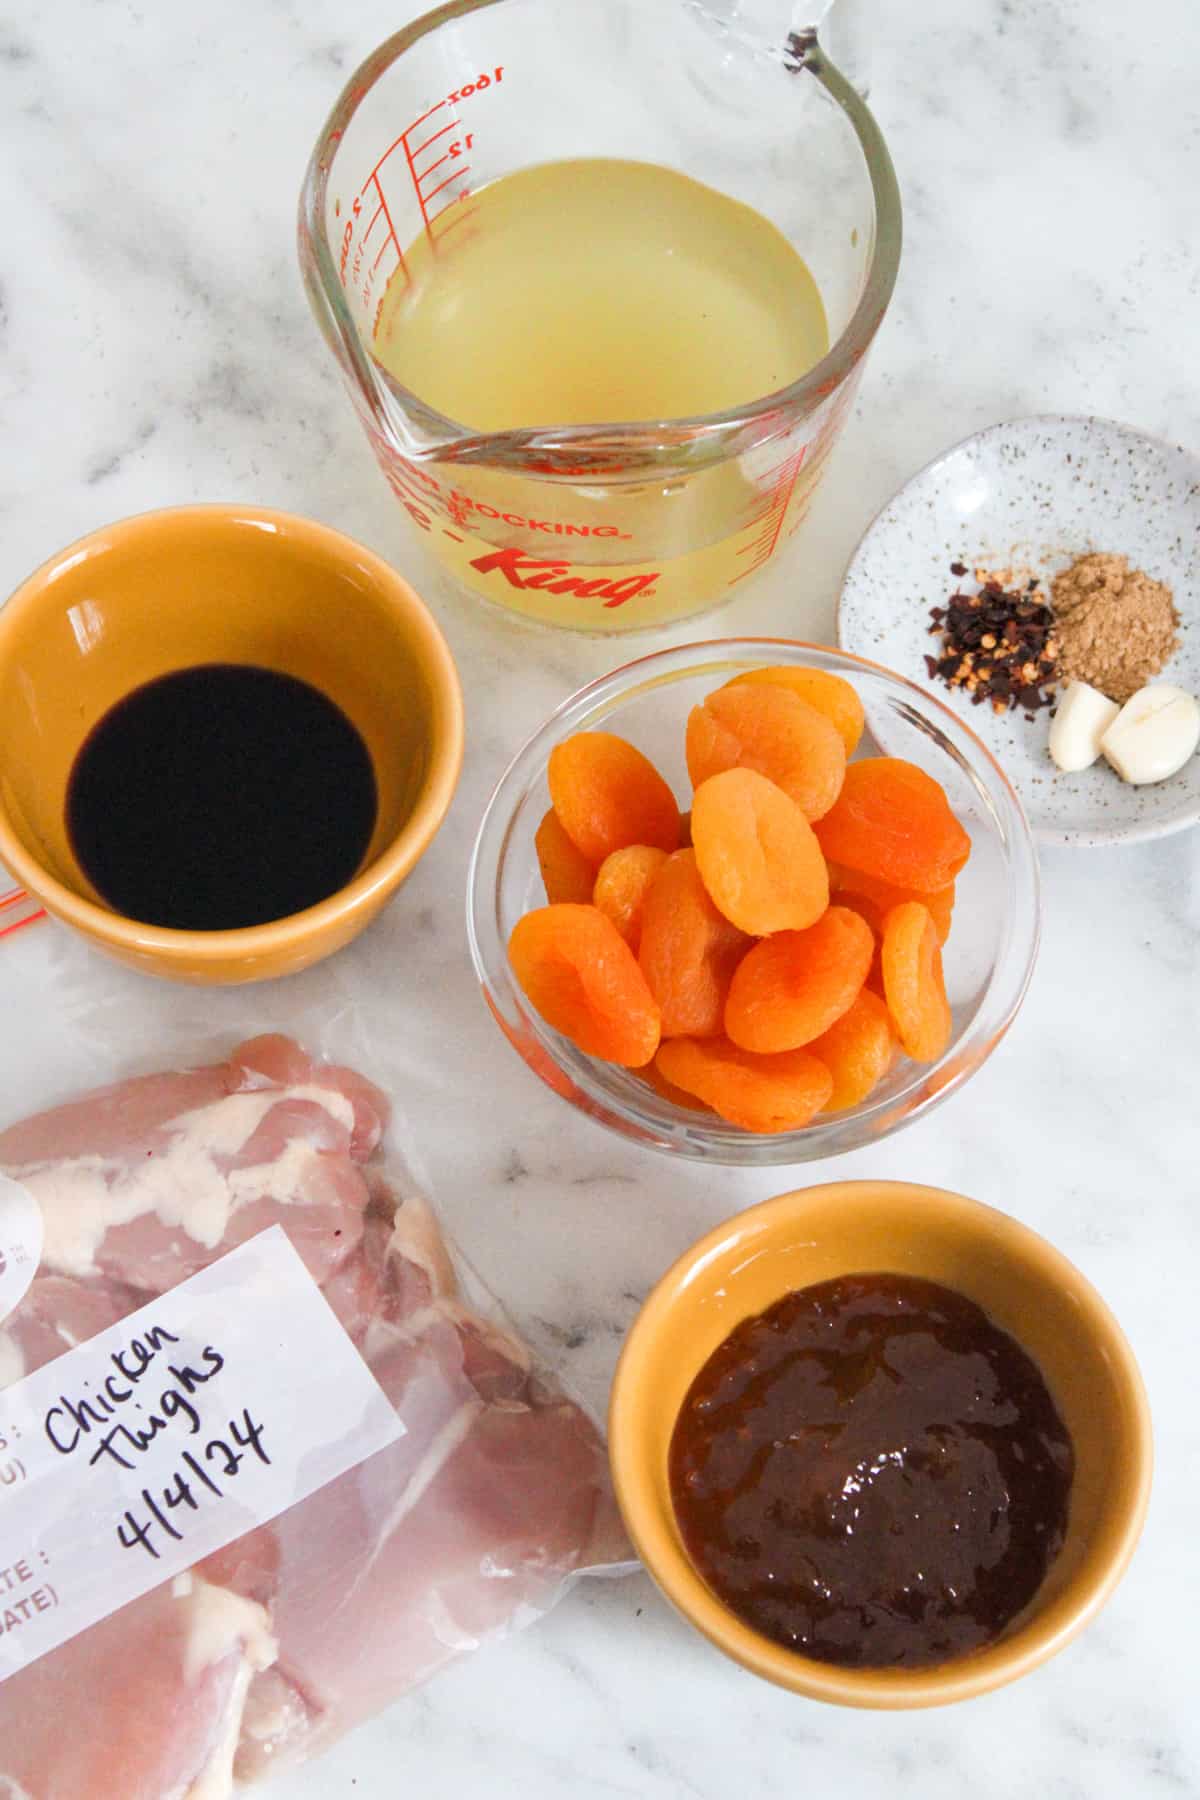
(1115,627)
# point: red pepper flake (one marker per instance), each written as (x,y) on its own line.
(997,645)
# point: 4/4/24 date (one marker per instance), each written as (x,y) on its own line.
(187,1487)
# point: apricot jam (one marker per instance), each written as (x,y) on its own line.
(872,1473)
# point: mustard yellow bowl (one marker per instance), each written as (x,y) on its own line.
(231,584)
(1026,1287)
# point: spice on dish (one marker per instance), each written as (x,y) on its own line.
(1115,626)
(997,644)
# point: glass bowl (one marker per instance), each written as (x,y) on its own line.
(988,960)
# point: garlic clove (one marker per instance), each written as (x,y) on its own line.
(1082,717)
(1153,735)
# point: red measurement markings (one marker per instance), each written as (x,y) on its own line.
(761,547)
(426,173)
(391,237)
(378,214)
(396,143)
(432,193)
(432,138)
(14,913)
(460,213)
(422,173)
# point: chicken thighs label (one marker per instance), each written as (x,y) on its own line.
(357,1553)
(171,1434)
(20,1245)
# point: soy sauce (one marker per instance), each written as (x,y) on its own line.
(221,796)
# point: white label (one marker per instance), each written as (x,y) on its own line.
(20,1243)
(167,1436)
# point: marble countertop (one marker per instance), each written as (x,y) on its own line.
(155,347)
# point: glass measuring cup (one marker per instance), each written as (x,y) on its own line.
(604,527)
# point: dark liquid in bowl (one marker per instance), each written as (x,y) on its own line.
(219,797)
(872,1473)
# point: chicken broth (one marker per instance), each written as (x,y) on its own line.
(219,797)
(655,297)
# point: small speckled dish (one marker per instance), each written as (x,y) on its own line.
(1037,493)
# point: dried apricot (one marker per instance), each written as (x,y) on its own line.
(791,987)
(913,985)
(828,693)
(759,1093)
(892,820)
(872,918)
(566,872)
(608,795)
(874,898)
(666,1090)
(757,854)
(581,975)
(775,732)
(621,884)
(688,950)
(866,908)
(858,1050)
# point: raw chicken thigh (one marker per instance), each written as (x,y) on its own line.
(465,1525)
(147,1182)
(151,1699)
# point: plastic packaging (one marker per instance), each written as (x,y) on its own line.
(315,1612)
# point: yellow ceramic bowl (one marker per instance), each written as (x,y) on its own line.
(1025,1286)
(238,584)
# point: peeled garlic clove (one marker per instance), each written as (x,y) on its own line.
(1153,735)
(1082,717)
